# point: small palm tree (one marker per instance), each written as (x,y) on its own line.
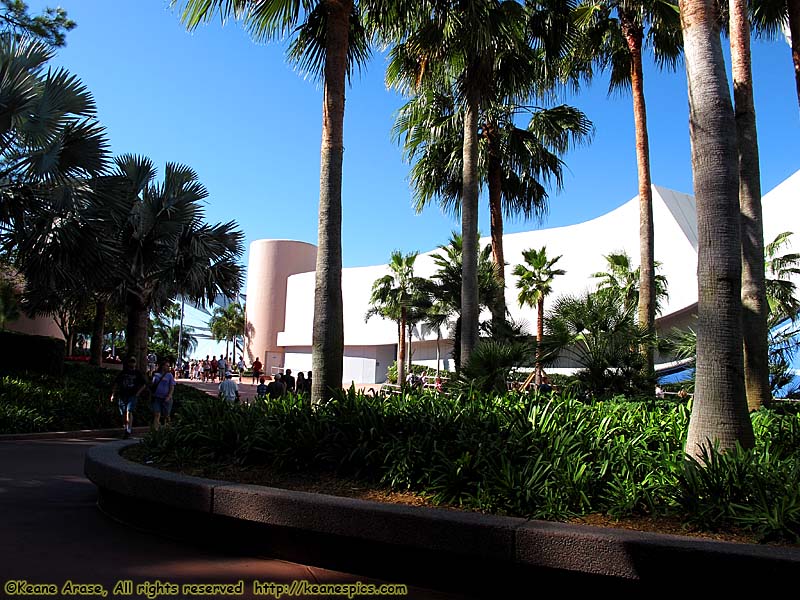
(393,296)
(227,324)
(781,270)
(445,286)
(535,282)
(621,281)
(600,334)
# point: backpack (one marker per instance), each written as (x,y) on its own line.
(154,385)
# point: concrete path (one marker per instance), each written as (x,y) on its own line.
(247,389)
(51,532)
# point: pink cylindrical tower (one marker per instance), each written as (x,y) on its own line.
(270,264)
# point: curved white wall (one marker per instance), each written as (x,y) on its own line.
(582,247)
(271,263)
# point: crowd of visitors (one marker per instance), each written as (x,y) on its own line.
(159,379)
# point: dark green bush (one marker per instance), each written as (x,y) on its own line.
(79,399)
(20,352)
(509,454)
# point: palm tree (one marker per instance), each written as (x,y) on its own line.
(781,269)
(770,17)
(617,31)
(535,283)
(621,281)
(166,249)
(50,141)
(166,333)
(227,324)
(393,296)
(600,334)
(444,287)
(719,410)
(516,164)
(461,47)
(754,294)
(329,42)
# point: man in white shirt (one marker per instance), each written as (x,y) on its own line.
(228,389)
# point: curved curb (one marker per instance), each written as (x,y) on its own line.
(469,538)
(79,433)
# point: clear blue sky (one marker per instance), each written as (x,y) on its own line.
(250,126)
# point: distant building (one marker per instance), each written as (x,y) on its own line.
(280,281)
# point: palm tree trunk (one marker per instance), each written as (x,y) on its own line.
(410,355)
(754,292)
(647,285)
(401,351)
(469,231)
(136,330)
(98,328)
(539,336)
(328,335)
(793,8)
(719,410)
(495,180)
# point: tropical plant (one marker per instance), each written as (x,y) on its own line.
(616,33)
(462,48)
(601,336)
(621,281)
(227,323)
(517,165)
(445,286)
(535,282)
(772,18)
(165,247)
(781,270)
(754,295)
(393,296)
(165,337)
(329,42)
(719,409)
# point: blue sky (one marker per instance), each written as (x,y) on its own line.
(238,114)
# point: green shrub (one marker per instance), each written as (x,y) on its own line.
(77,400)
(20,352)
(508,454)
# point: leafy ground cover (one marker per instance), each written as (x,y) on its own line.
(546,458)
(32,402)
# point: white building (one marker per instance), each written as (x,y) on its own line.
(280,282)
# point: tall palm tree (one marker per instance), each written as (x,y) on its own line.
(754,295)
(535,283)
(460,47)
(617,31)
(329,41)
(393,296)
(517,165)
(166,248)
(770,17)
(50,141)
(719,410)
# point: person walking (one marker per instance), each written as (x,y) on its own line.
(162,387)
(127,386)
(256,369)
(228,390)
(276,387)
(288,380)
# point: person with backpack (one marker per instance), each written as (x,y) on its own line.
(161,389)
(127,386)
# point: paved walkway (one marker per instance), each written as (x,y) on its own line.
(51,531)
(247,390)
